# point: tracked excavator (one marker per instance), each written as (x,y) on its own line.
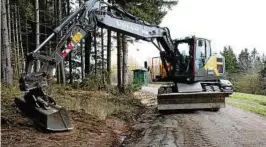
(197,78)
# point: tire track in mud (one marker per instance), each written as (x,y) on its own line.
(228,127)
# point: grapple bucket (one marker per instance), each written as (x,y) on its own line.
(53,119)
(199,100)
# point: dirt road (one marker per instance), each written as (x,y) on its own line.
(230,127)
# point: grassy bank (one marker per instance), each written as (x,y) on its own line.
(99,117)
(250,102)
(97,103)
(100,104)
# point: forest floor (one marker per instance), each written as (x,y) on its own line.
(99,119)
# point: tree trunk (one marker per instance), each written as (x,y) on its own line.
(109,53)
(82,58)
(88,40)
(37,12)
(58,67)
(95,51)
(17,41)
(119,56)
(27,38)
(82,53)
(125,62)
(8,20)
(2,57)
(58,74)
(109,56)
(8,71)
(70,53)
(21,46)
(70,67)
(15,57)
(62,65)
(102,45)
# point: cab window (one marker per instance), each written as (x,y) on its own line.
(200,54)
(183,49)
(208,48)
(203,52)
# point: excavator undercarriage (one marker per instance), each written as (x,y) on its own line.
(192,96)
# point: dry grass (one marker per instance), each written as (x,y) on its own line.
(97,103)
(8,93)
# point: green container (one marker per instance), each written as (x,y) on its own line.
(141,76)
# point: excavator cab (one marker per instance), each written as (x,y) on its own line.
(197,63)
(198,83)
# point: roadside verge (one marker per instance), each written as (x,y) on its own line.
(250,102)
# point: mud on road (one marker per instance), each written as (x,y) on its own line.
(230,127)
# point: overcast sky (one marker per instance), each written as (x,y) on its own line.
(239,23)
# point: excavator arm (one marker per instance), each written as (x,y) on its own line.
(42,108)
(84,20)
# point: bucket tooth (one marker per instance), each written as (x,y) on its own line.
(199,100)
(53,119)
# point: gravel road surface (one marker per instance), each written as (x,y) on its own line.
(230,127)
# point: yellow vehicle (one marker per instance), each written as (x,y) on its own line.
(205,65)
(157,70)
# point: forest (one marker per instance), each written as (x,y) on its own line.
(101,110)
(27,23)
(247,70)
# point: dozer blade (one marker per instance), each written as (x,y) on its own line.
(53,119)
(199,100)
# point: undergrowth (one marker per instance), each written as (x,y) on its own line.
(95,82)
(8,93)
(100,103)
(96,99)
